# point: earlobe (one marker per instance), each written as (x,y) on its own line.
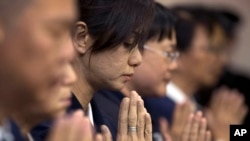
(80,37)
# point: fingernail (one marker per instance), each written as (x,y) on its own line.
(103,129)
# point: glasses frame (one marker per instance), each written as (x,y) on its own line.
(172,56)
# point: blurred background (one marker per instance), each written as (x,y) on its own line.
(240,60)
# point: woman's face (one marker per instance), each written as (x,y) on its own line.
(108,69)
(152,76)
(203,62)
(111,69)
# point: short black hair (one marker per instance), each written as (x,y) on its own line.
(112,22)
(229,20)
(163,24)
(189,17)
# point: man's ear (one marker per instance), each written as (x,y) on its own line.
(81,37)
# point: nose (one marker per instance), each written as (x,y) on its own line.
(66,56)
(135,57)
(67,51)
(69,75)
(173,65)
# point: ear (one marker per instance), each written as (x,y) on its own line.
(81,38)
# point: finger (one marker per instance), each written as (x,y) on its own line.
(87,131)
(218,98)
(208,136)
(226,100)
(148,128)
(242,113)
(123,119)
(132,114)
(74,127)
(177,114)
(78,113)
(99,137)
(179,120)
(133,109)
(209,117)
(77,133)
(164,129)
(195,126)
(141,120)
(186,131)
(65,129)
(106,133)
(58,130)
(77,122)
(187,110)
(202,130)
(237,102)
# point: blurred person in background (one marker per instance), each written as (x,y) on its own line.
(35,73)
(201,41)
(229,21)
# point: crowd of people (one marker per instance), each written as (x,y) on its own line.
(124,70)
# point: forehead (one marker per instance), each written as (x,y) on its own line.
(200,34)
(219,36)
(54,8)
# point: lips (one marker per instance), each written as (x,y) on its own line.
(128,76)
(66,101)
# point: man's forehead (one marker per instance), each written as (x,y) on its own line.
(12,8)
(52,6)
(55,3)
(56,10)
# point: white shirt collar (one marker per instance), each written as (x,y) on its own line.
(90,114)
(1,132)
(5,132)
(175,93)
(178,96)
(30,138)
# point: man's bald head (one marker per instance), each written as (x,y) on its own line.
(35,52)
(9,9)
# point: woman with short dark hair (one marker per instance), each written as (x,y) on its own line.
(108,38)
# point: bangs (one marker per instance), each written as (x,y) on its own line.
(112,22)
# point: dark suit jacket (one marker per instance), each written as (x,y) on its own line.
(159,107)
(16,132)
(109,105)
(40,132)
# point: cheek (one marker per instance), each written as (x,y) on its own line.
(109,65)
(147,71)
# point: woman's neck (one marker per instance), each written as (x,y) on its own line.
(82,89)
